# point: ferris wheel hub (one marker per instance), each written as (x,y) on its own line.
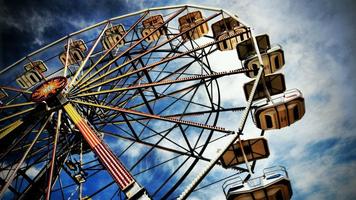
(49,89)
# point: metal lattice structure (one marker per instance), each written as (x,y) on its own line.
(132,101)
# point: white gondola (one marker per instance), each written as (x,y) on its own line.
(227,27)
(254,149)
(273,60)
(76,52)
(246,48)
(285,110)
(189,20)
(112,36)
(273,185)
(152,23)
(275,84)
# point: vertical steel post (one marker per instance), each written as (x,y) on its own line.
(116,169)
(49,186)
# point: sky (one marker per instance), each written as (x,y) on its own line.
(318,38)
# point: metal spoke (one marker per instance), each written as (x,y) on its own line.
(16,105)
(80,81)
(167,82)
(174,120)
(128,49)
(69,42)
(16,114)
(15,89)
(79,70)
(147,52)
(58,127)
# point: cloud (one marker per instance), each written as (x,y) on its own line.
(324,169)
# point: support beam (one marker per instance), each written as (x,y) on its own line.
(142,114)
(115,168)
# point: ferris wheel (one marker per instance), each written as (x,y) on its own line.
(129,108)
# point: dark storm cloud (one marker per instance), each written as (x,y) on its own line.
(26,26)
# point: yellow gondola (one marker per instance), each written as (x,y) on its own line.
(228,27)
(284,111)
(112,36)
(273,60)
(152,23)
(254,149)
(246,48)
(39,65)
(189,20)
(275,84)
(76,52)
(33,74)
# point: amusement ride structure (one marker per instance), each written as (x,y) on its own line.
(129,107)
